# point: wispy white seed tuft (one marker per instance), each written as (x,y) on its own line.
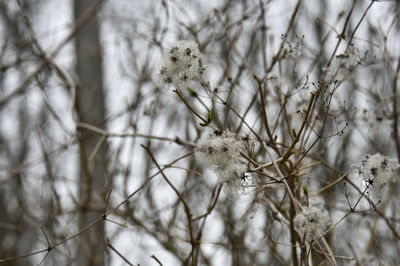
(311,222)
(220,151)
(344,64)
(377,170)
(181,65)
(292,50)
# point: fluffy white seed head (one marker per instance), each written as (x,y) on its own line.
(377,170)
(220,151)
(311,222)
(292,50)
(181,65)
(350,59)
(344,64)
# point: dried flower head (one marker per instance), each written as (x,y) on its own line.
(350,59)
(292,49)
(181,65)
(345,64)
(220,151)
(377,170)
(311,222)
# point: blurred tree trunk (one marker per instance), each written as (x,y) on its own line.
(90,109)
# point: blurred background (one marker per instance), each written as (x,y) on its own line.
(85,128)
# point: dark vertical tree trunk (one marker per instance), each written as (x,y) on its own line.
(90,109)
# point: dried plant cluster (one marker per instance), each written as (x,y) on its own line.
(377,171)
(202,133)
(181,65)
(221,152)
(311,222)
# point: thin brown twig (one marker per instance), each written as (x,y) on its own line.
(156,259)
(108,243)
(131,135)
(181,198)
